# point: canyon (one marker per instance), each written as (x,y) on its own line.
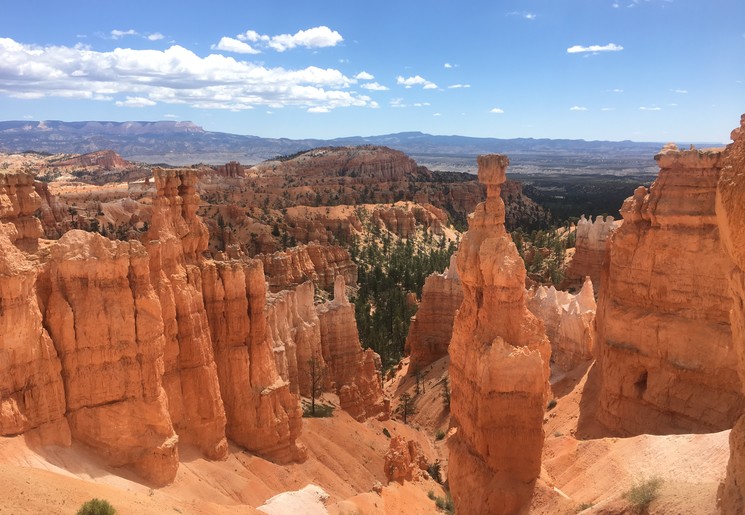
(166,338)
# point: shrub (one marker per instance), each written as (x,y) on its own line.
(643,492)
(584,506)
(551,404)
(96,507)
(445,504)
(433,469)
(386,432)
(322,410)
(440,434)
(431,494)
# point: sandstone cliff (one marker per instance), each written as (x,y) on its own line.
(569,321)
(731,222)
(104,317)
(591,247)
(318,263)
(354,372)
(18,202)
(432,326)
(174,244)
(499,366)
(665,349)
(262,414)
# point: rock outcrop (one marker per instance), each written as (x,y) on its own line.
(731,222)
(18,203)
(499,366)
(432,326)
(174,243)
(314,262)
(104,317)
(356,373)
(262,414)
(591,247)
(665,348)
(569,321)
(32,395)
(404,460)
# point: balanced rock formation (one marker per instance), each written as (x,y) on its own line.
(591,247)
(731,221)
(404,460)
(174,243)
(432,326)
(499,366)
(315,262)
(665,348)
(569,321)
(356,373)
(104,317)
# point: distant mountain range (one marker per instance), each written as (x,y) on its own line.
(181,143)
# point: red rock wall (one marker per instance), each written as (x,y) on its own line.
(665,348)
(499,366)
(315,262)
(731,222)
(591,248)
(432,326)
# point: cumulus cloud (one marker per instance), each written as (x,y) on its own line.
(644,108)
(616,90)
(577,108)
(363,75)
(416,80)
(496,110)
(523,14)
(448,65)
(172,76)
(607,108)
(318,109)
(118,34)
(610,47)
(374,86)
(437,114)
(681,91)
(458,86)
(155,36)
(316,37)
(233,45)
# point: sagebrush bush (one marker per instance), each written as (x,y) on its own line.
(96,507)
(643,492)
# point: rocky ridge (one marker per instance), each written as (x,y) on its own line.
(591,248)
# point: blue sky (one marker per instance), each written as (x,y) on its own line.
(645,70)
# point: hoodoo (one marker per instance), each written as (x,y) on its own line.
(499,365)
(664,344)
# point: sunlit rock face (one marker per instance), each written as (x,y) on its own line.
(665,350)
(499,366)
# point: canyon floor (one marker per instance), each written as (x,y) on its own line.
(580,470)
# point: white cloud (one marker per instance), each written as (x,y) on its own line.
(458,86)
(175,75)
(421,104)
(643,108)
(170,116)
(610,47)
(448,65)
(437,114)
(136,102)
(415,81)
(616,90)
(397,102)
(578,108)
(607,108)
(118,34)
(616,5)
(363,75)
(374,86)
(523,14)
(155,36)
(318,109)
(681,91)
(233,45)
(317,37)
(496,110)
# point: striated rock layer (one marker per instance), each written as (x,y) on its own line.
(731,221)
(174,243)
(591,247)
(105,320)
(355,373)
(314,262)
(499,366)
(569,321)
(665,348)
(432,326)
